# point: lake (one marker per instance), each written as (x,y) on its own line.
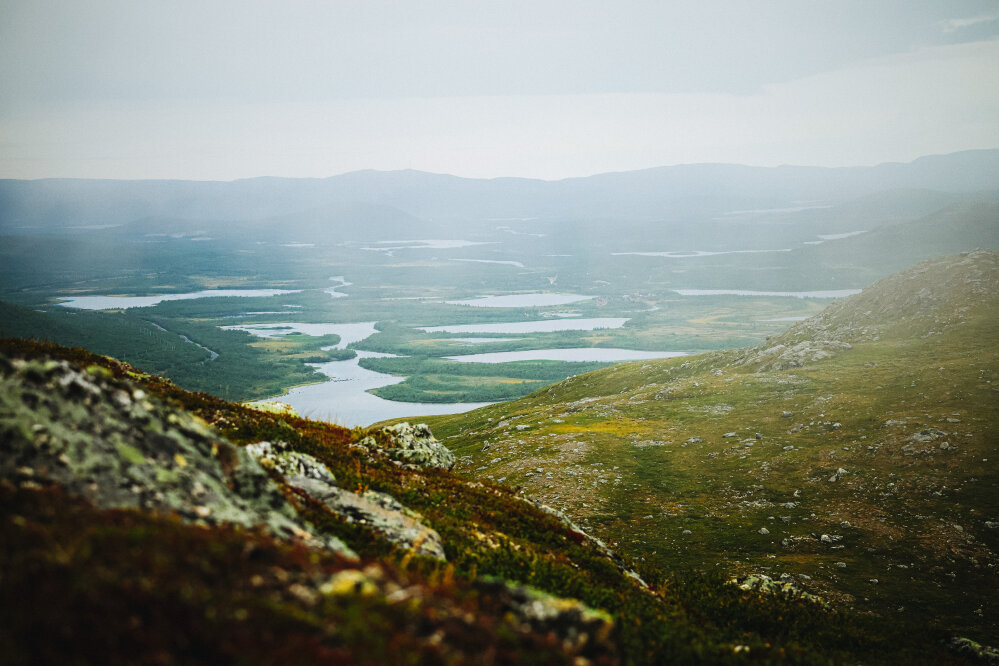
(354,332)
(341,282)
(389,248)
(541,326)
(828,293)
(522,300)
(491,261)
(681,254)
(344,399)
(609,355)
(125,302)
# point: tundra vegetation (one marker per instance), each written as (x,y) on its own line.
(853,455)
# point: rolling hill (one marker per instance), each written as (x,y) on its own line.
(854,454)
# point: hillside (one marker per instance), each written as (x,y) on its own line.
(853,455)
(144,524)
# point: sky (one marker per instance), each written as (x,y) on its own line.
(227,89)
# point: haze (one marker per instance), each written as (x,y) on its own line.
(552,89)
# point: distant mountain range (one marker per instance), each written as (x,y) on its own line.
(649,193)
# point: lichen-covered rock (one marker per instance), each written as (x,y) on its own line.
(409,445)
(379,511)
(273,407)
(574,623)
(987,655)
(278,457)
(108,441)
(766,585)
(783,357)
(581,634)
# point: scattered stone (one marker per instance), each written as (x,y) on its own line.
(786,414)
(764,531)
(730,434)
(928,435)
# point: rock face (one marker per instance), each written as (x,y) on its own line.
(104,439)
(409,446)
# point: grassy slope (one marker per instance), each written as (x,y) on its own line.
(165,591)
(615,452)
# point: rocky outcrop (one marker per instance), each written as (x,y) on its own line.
(984,653)
(379,511)
(279,458)
(108,441)
(572,622)
(583,633)
(784,357)
(273,407)
(409,446)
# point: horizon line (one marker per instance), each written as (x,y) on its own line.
(510,177)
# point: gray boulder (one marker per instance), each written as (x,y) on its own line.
(278,457)
(410,446)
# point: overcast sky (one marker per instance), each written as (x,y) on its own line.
(539,88)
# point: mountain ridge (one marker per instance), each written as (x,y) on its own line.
(642,193)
